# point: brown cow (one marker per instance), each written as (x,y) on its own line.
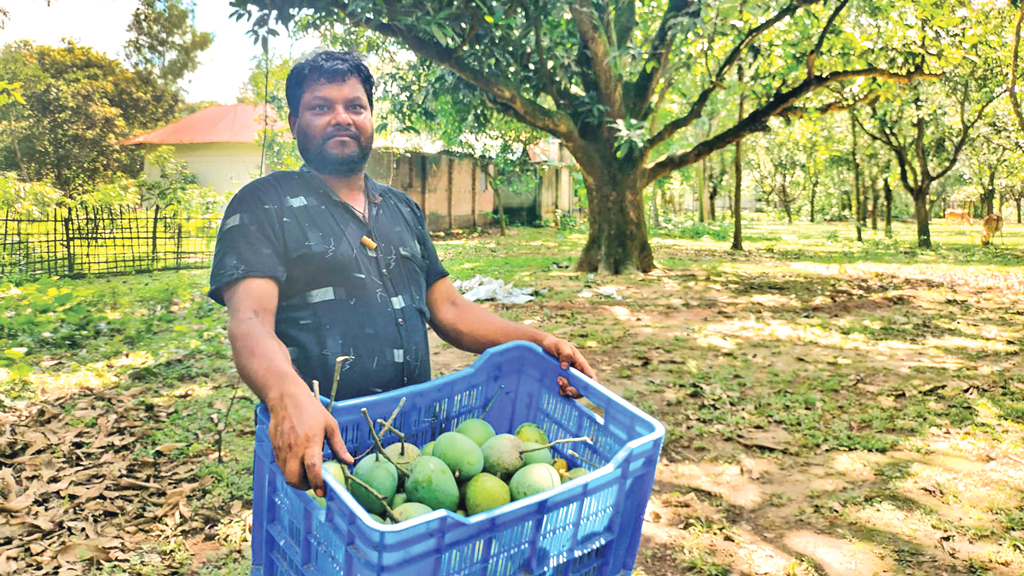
(954,215)
(991,224)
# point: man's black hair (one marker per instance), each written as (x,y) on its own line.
(328,66)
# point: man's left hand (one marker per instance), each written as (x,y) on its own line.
(568,355)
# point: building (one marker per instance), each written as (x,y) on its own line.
(221,147)
(218,144)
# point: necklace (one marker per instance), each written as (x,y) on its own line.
(362,213)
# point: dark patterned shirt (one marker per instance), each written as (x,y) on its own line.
(338,296)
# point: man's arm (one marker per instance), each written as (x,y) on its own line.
(470,327)
(298,422)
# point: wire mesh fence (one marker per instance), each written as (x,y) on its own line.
(82,241)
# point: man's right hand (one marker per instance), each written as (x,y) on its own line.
(298,426)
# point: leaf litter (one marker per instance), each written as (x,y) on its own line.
(74,491)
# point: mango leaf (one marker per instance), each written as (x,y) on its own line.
(439,35)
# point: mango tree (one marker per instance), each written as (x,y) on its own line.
(595,73)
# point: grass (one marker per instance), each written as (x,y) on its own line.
(823,398)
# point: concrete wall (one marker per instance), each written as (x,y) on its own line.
(449,190)
(224,166)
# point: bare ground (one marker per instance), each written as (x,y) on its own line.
(821,419)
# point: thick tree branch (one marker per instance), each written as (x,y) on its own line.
(697,108)
(608,87)
(966,128)
(797,112)
(813,56)
(757,120)
(657,60)
(891,141)
(528,111)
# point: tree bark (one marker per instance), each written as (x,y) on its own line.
(1018,210)
(702,188)
(737,196)
(888,208)
(655,220)
(617,242)
(924,235)
(737,165)
(787,204)
(856,178)
(874,205)
(988,202)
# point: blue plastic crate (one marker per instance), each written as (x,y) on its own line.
(587,527)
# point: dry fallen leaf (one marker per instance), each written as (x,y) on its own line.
(78,551)
(168,448)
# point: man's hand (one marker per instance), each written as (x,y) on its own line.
(568,355)
(298,426)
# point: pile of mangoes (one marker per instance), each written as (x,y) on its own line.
(468,471)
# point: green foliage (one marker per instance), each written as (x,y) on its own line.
(79,104)
(26,199)
(164,42)
(177,189)
(101,319)
(10,92)
(276,138)
(720,231)
(636,90)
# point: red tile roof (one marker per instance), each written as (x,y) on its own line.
(225,123)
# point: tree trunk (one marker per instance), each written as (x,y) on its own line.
(617,243)
(737,165)
(789,211)
(655,188)
(924,235)
(712,197)
(702,189)
(497,198)
(737,196)
(874,205)
(987,202)
(1018,210)
(888,208)
(856,178)
(814,192)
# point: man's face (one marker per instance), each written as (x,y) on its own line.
(334,127)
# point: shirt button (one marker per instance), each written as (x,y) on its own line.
(384,271)
(401,321)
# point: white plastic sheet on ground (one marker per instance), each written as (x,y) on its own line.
(481,288)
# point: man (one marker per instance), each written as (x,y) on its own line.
(325,262)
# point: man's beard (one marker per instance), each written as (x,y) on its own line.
(320,160)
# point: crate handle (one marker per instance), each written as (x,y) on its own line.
(588,392)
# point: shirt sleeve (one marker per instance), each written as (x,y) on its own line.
(250,243)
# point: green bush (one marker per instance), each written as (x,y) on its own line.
(720,230)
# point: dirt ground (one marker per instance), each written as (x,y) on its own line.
(821,418)
(847,476)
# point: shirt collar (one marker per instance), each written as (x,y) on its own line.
(370,186)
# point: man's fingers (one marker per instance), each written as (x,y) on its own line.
(336,444)
(583,366)
(312,460)
(293,472)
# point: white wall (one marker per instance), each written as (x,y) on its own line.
(224,166)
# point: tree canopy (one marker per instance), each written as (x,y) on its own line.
(164,41)
(630,86)
(78,105)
